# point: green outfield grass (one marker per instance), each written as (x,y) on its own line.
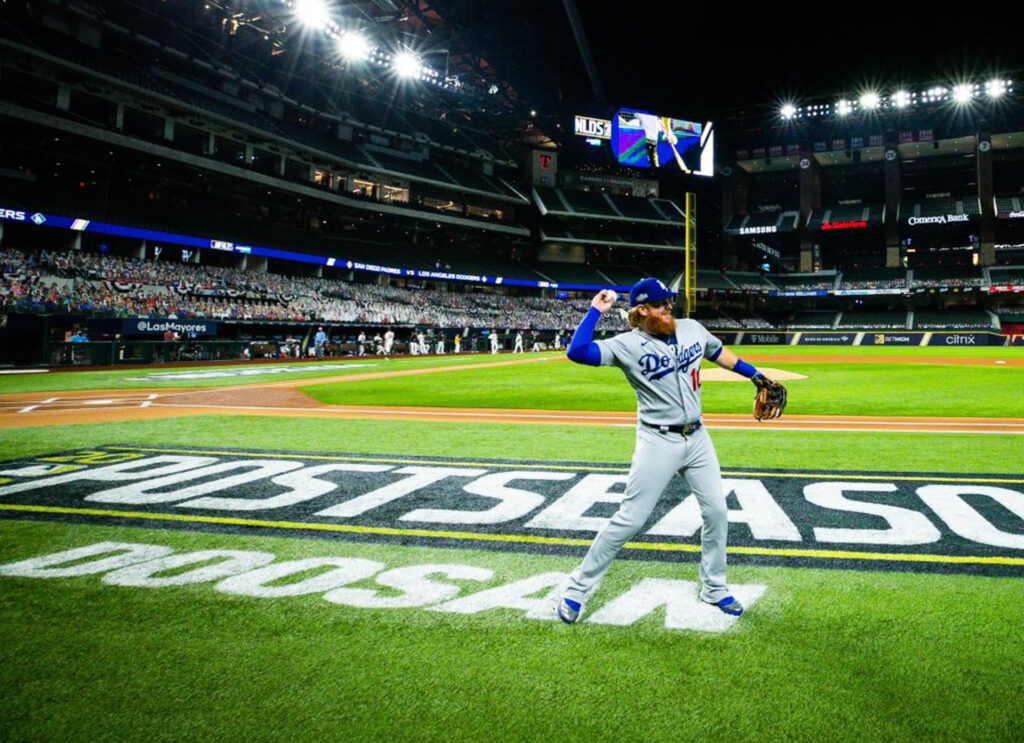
(830,389)
(825,655)
(884,452)
(65,381)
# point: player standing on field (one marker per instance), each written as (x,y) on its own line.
(661,360)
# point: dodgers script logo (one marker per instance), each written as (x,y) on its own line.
(654,366)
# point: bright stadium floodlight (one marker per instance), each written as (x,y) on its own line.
(843,108)
(901,99)
(995,88)
(406,64)
(869,101)
(963,93)
(312,14)
(353,47)
(788,111)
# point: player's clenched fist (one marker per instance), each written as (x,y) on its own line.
(603,300)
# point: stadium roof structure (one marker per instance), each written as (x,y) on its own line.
(453,79)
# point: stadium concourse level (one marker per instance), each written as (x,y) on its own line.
(103,285)
(947,319)
(895,279)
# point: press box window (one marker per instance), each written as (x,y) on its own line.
(364,188)
(395,194)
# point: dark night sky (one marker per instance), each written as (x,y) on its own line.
(684,62)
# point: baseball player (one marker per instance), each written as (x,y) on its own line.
(361,342)
(389,342)
(458,343)
(494,342)
(440,343)
(519,343)
(661,360)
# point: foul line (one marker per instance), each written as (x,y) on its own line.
(517,538)
(582,467)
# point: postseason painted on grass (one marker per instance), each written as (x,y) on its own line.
(918,521)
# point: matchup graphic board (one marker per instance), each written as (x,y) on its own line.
(642,139)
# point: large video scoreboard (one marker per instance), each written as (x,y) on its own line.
(641,139)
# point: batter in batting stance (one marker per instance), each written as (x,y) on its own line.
(661,360)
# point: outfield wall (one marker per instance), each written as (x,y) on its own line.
(870,338)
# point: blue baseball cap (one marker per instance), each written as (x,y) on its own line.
(649,290)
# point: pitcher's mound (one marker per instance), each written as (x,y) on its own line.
(718,374)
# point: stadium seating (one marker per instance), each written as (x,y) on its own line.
(874,278)
(572,273)
(1010,276)
(812,321)
(892,320)
(103,285)
(871,214)
(749,281)
(948,276)
(959,319)
(714,280)
(590,203)
(804,282)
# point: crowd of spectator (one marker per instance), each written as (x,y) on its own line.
(950,281)
(900,283)
(100,284)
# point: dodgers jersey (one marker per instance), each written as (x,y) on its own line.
(665,375)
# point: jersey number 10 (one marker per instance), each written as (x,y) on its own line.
(695,378)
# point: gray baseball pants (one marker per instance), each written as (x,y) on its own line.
(656,458)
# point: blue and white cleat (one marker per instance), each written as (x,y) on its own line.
(569,610)
(729,605)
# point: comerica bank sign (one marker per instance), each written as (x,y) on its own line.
(939,219)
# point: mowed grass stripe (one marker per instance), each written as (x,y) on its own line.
(514,538)
(569,466)
(848,388)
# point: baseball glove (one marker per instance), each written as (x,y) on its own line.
(770,398)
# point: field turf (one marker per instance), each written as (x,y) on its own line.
(851,388)
(824,655)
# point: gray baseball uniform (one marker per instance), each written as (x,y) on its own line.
(666,378)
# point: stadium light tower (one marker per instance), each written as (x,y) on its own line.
(995,88)
(843,107)
(901,98)
(313,14)
(353,46)
(963,93)
(407,64)
(788,111)
(869,101)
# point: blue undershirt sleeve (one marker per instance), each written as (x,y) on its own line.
(582,349)
(742,367)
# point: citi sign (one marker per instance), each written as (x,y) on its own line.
(941,219)
(584,126)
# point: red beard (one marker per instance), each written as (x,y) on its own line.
(655,325)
